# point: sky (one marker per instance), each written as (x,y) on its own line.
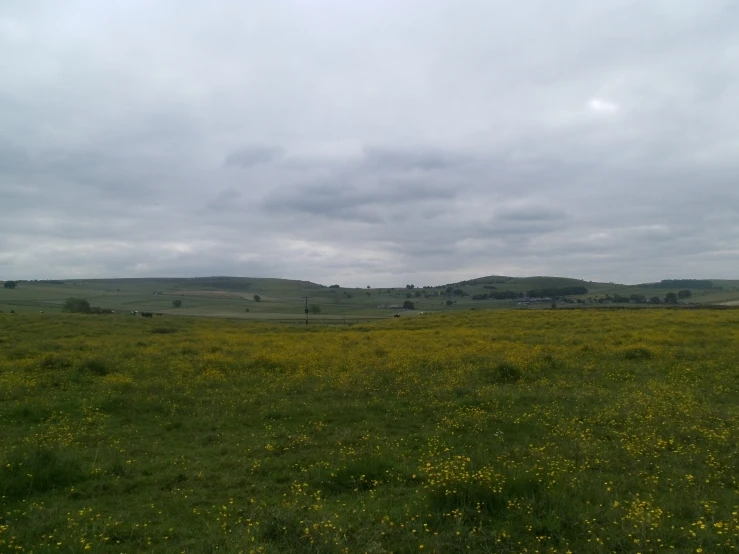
(369,143)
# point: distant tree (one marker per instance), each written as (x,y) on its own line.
(369,287)
(76,306)
(449,302)
(257,298)
(350,295)
(684,294)
(315,309)
(408,295)
(449,290)
(418,294)
(410,286)
(176,303)
(10,284)
(408,305)
(655,300)
(459,292)
(334,287)
(670,298)
(638,298)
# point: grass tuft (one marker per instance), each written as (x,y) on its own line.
(36,470)
(506,373)
(164,330)
(358,475)
(55,361)
(637,353)
(95,366)
(468,498)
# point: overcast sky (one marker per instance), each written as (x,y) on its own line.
(369,143)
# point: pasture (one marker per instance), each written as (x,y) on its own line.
(488,431)
(283,300)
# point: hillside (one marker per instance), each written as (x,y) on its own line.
(285,299)
(720,291)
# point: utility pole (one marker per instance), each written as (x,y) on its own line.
(306,310)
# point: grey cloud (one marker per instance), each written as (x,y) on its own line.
(254,155)
(412,145)
(13,159)
(531,213)
(408,159)
(225,200)
(353,202)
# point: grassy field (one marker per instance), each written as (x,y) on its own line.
(488,431)
(284,299)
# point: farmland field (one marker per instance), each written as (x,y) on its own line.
(284,300)
(486,431)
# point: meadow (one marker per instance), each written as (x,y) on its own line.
(480,431)
(283,300)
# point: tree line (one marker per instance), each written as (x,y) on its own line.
(669,298)
(534,293)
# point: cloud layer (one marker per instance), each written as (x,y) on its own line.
(369,143)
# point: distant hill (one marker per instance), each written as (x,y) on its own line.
(521,284)
(705,291)
(286,299)
(215,283)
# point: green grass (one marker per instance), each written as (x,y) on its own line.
(510,431)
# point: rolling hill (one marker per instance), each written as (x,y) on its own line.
(285,299)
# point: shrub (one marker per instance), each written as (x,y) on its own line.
(76,306)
